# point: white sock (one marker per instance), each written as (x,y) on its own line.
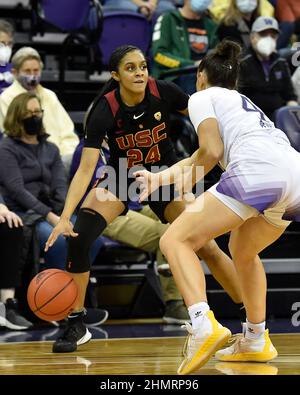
(197,313)
(255,331)
(8,293)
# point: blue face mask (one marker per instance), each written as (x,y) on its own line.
(199,6)
(29,82)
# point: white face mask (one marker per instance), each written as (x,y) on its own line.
(266,46)
(246,6)
(199,6)
(5,54)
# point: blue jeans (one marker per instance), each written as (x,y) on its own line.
(56,256)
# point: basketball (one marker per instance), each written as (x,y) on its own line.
(51,294)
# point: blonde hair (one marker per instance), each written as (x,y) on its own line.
(16,112)
(23,54)
(233,14)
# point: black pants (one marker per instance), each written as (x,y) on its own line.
(11,243)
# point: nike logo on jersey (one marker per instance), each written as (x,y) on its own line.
(138,116)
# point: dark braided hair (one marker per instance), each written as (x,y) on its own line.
(222,64)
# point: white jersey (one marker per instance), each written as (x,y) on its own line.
(238,118)
(262,170)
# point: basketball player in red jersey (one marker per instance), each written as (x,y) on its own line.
(133,112)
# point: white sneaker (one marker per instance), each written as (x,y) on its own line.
(248,350)
(198,350)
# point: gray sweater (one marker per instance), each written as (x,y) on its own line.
(32,176)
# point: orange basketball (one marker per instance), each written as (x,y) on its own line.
(51,294)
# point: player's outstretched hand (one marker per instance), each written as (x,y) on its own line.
(149,182)
(64,227)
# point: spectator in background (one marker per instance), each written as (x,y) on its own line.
(33,183)
(219,8)
(32,175)
(181,38)
(237,21)
(27,68)
(139,228)
(264,76)
(11,242)
(6,43)
(148,8)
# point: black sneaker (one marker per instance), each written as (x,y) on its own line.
(74,335)
(95,317)
(14,320)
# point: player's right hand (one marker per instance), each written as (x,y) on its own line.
(64,227)
(149,182)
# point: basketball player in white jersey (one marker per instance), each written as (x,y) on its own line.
(256,198)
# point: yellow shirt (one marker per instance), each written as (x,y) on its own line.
(56,120)
(219,7)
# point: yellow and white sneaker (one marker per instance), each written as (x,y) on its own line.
(198,350)
(248,350)
(246,368)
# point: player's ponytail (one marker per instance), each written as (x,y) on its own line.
(221,65)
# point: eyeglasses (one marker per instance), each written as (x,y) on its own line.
(36,113)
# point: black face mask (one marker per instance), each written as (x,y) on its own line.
(33,125)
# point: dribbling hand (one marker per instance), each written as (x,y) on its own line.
(64,227)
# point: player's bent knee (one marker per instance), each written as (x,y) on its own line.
(89,225)
(239,255)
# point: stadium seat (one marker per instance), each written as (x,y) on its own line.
(124,281)
(288,120)
(120,28)
(80,19)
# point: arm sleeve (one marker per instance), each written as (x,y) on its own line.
(2,200)
(176,98)
(200,108)
(12,180)
(99,122)
(162,43)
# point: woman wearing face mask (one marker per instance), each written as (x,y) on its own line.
(32,180)
(27,67)
(6,41)
(31,171)
(181,38)
(265,77)
(238,20)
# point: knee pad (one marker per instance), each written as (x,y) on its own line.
(89,225)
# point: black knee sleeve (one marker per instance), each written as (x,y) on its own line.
(89,225)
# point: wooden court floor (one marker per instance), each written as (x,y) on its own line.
(145,356)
